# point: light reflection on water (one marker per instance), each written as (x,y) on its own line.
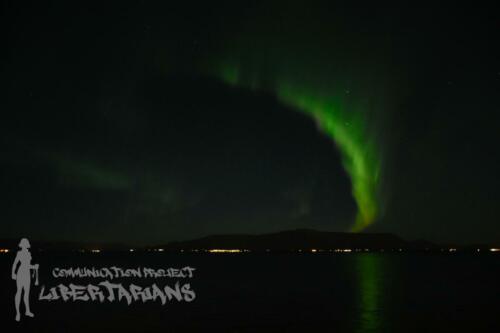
(371,292)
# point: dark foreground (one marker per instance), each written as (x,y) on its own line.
(275,293)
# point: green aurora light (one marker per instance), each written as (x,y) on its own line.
(345,126)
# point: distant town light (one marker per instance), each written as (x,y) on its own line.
(494,250)
(131,250)
(4,250)
(224,251)
(95,251)
(314,250)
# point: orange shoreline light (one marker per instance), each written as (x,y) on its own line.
(225,251)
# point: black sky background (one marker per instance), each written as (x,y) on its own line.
(109,131)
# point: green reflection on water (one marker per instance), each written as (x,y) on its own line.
(369,276)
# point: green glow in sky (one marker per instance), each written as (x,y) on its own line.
(79,172)
(342,123)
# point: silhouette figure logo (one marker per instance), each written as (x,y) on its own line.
(22,271)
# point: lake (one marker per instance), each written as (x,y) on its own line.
(269,292)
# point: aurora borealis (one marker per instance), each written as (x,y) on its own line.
(156,123)
(324,83)
(360,157)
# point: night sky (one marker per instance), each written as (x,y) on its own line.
(141,123)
